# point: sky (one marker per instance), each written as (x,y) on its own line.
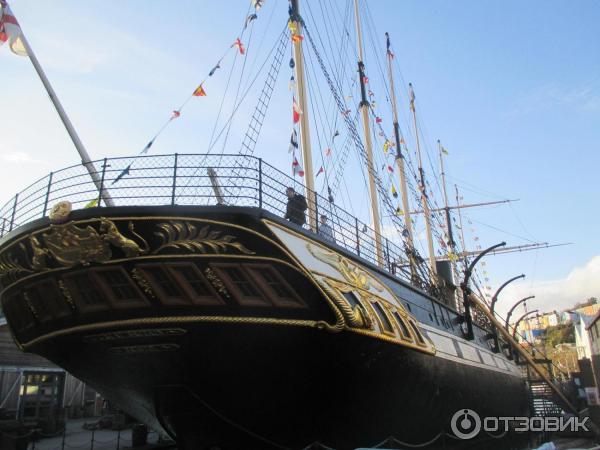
(512,90)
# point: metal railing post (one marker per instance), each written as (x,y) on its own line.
(3,225)
(102,182)
(12,219)
(260,184)
(357,236)
(47,194)
(62,447)
(174,180)
(315,196)
(118,439)
(387,253)
(92,442)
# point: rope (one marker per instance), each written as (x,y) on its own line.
(406,444)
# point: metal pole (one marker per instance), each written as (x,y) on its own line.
(317,213)
(304,125)
(496,348)
(104,165)
(62,447)
(118,439)
(401,170)
(12,219)
(423,189)
(467,291)
(92,443)
(523,353)
(364,109)
(47,194)
(495,296)
(260,184)
(357,237)
(174,180)
(85,157)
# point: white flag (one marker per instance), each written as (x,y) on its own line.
(10,31)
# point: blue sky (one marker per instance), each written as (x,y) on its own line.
(511,88)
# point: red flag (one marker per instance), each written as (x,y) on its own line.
(297,37)
(10,31)
(239,45)
(321,170)
(378,119)
(296,110)
(176,114)
(366,80)
(199,92)
(297,168)
(390,169)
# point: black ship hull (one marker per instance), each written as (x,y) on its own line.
(224,326)
(245,387)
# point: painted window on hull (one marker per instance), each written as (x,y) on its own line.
(420,338)
(162,279)
(194,279)
(194,285)
(21,318)
(241,284)
(403,328)
(274,285)
(119,285)
(383,318)
(85,291)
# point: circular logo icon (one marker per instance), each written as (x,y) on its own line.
(465,424)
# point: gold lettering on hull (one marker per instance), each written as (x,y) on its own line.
(150,348)
(134,334)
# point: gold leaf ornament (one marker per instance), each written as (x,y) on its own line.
(186,236)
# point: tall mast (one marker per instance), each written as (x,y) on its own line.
(451,242)
(423,188)
(462,230)
(400,164)
(85,157)
(364,109)
(304,125)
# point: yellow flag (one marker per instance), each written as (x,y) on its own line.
(394,193)
(92,204)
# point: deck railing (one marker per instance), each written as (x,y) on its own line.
(193,179)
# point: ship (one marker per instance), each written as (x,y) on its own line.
(218,321)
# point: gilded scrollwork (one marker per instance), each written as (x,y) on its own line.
(112,235)
(10,267)
(30,305)
(187,236)
(38,261)
(356,316)
(142,282)
(67,295)
(351,272)
(70,245)
(216,282)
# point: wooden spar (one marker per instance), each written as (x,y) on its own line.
(401,170)
(483,308)
(470,205)
(364,109)
(423,189)
(85,157)
(309,180)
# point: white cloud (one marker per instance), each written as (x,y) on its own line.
(580,284)
(548,96)
(21,158)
